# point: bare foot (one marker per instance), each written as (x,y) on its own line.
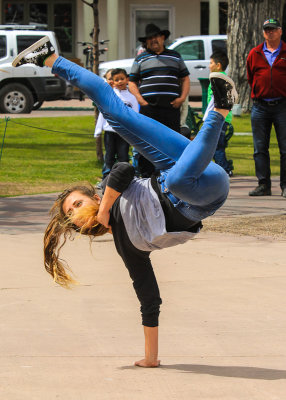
(147,364)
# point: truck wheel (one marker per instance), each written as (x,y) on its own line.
(16,98)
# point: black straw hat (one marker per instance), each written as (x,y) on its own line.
(153,30)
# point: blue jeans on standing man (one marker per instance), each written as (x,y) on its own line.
(263,116)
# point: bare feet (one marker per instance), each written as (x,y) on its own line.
(147,364)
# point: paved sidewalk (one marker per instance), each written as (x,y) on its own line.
(30,213)
(222,322)
(61,108)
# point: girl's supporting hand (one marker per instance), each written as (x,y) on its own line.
(147,364)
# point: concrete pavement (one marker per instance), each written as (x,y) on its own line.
(30,213)
(61,108)
(222,325)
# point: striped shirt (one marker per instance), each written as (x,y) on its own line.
(159,76)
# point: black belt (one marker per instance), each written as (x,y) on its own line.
(269,103)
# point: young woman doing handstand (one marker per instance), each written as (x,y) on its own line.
(142,214)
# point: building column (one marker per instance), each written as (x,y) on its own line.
(213,17)
(112,28)
(86,25)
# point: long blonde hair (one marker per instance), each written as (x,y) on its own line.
(61,227)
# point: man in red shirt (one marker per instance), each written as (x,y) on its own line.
(266,73)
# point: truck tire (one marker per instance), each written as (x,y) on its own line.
(16,98)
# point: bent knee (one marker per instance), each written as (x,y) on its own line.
(175,183)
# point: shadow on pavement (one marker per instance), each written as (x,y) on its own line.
(226,371)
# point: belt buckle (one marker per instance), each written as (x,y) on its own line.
(272,102)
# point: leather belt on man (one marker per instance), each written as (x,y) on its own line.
(269,103)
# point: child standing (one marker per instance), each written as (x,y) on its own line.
(116,148)
(219,63)
(101,123)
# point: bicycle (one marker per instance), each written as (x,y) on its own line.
(88,52)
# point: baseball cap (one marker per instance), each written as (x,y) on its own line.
(271,23)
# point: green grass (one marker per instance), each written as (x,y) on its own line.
(241,124)
(38,161)
(240,149)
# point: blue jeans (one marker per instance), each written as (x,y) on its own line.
(168,116)
(197,185)
(262,119)
(219,155)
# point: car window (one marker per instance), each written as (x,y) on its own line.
(3,46)
(24,41)
(219,44)
(191,50)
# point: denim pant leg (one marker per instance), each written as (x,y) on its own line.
(167,116)
(159,144)
(200,184)
(122,149)
(279,118)
(110,152)
(261,122)
(220,156)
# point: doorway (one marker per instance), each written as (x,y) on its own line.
(162,16)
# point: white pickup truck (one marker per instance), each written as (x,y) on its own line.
(195,51)
(24,89)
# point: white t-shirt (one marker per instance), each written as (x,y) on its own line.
(209,108)
(128,98)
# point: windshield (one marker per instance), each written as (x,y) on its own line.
(3,46)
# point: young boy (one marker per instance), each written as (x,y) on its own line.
(101,123)
(116,148)
(219,63)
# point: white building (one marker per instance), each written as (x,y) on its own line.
(120,21)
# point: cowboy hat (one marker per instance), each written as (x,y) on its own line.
(153,30)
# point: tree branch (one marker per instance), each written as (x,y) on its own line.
(89,4)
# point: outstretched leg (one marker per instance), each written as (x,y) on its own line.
(156,142)
(191,170)
(194,179)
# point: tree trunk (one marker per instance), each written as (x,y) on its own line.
(245,21)
(95,64)
(95,59)
(95,37)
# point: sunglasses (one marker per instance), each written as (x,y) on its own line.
(270,29)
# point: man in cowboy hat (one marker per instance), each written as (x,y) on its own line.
(159,79)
